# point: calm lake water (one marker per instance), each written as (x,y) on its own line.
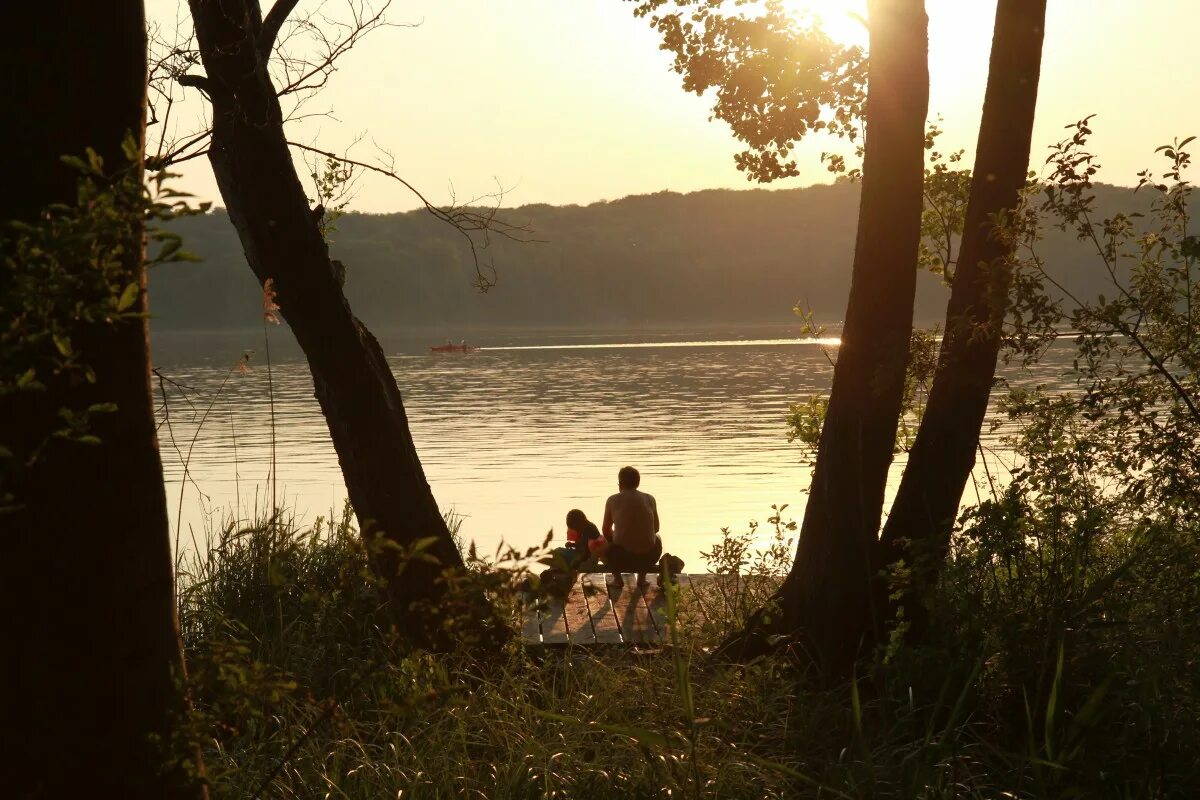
(515,434)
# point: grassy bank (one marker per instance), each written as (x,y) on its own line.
(300,691)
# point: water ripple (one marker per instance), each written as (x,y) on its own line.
(513,435)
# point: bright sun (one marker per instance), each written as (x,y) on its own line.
(841,19)
(960,34)
(952,23)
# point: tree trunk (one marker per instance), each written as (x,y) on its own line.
(826,597)
(354,385)
(92,635)
(923,514)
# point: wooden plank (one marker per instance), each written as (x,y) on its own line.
(531,626)
(594,613)
(578,618)
(604,620)
(553,622)
(655,600)
(632,613)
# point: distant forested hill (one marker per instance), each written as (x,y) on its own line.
(666,258)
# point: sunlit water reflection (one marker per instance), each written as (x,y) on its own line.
(513,435)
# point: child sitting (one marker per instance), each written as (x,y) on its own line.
(584,545)
(583,539)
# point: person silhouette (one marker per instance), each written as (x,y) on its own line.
(631,526)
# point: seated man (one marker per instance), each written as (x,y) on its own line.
(631,528)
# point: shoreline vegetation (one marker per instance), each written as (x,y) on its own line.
(299,687)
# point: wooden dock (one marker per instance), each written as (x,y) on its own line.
(596,613)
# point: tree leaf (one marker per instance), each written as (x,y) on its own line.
(128,297)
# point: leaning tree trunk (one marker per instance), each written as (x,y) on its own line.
(91,631)
(826,598)
(354,385)
(943,455)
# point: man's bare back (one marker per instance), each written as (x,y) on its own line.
(631,520)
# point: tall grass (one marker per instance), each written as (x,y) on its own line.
(302,691)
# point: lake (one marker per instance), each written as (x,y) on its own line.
(515,434)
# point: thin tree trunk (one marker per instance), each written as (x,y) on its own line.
(88,576)
(826,597)
(943,454)
(354,385)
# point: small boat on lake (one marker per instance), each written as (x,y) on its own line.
(448,347)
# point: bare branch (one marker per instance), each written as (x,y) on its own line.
(303,51)
(171,160)
(172,56)
(177,153)
(271,25)
(330,39)
(470,220)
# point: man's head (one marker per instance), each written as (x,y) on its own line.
(628,478)
(576,519)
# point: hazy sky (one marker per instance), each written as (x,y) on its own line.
(571,101)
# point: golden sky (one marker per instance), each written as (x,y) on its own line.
(570,101)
